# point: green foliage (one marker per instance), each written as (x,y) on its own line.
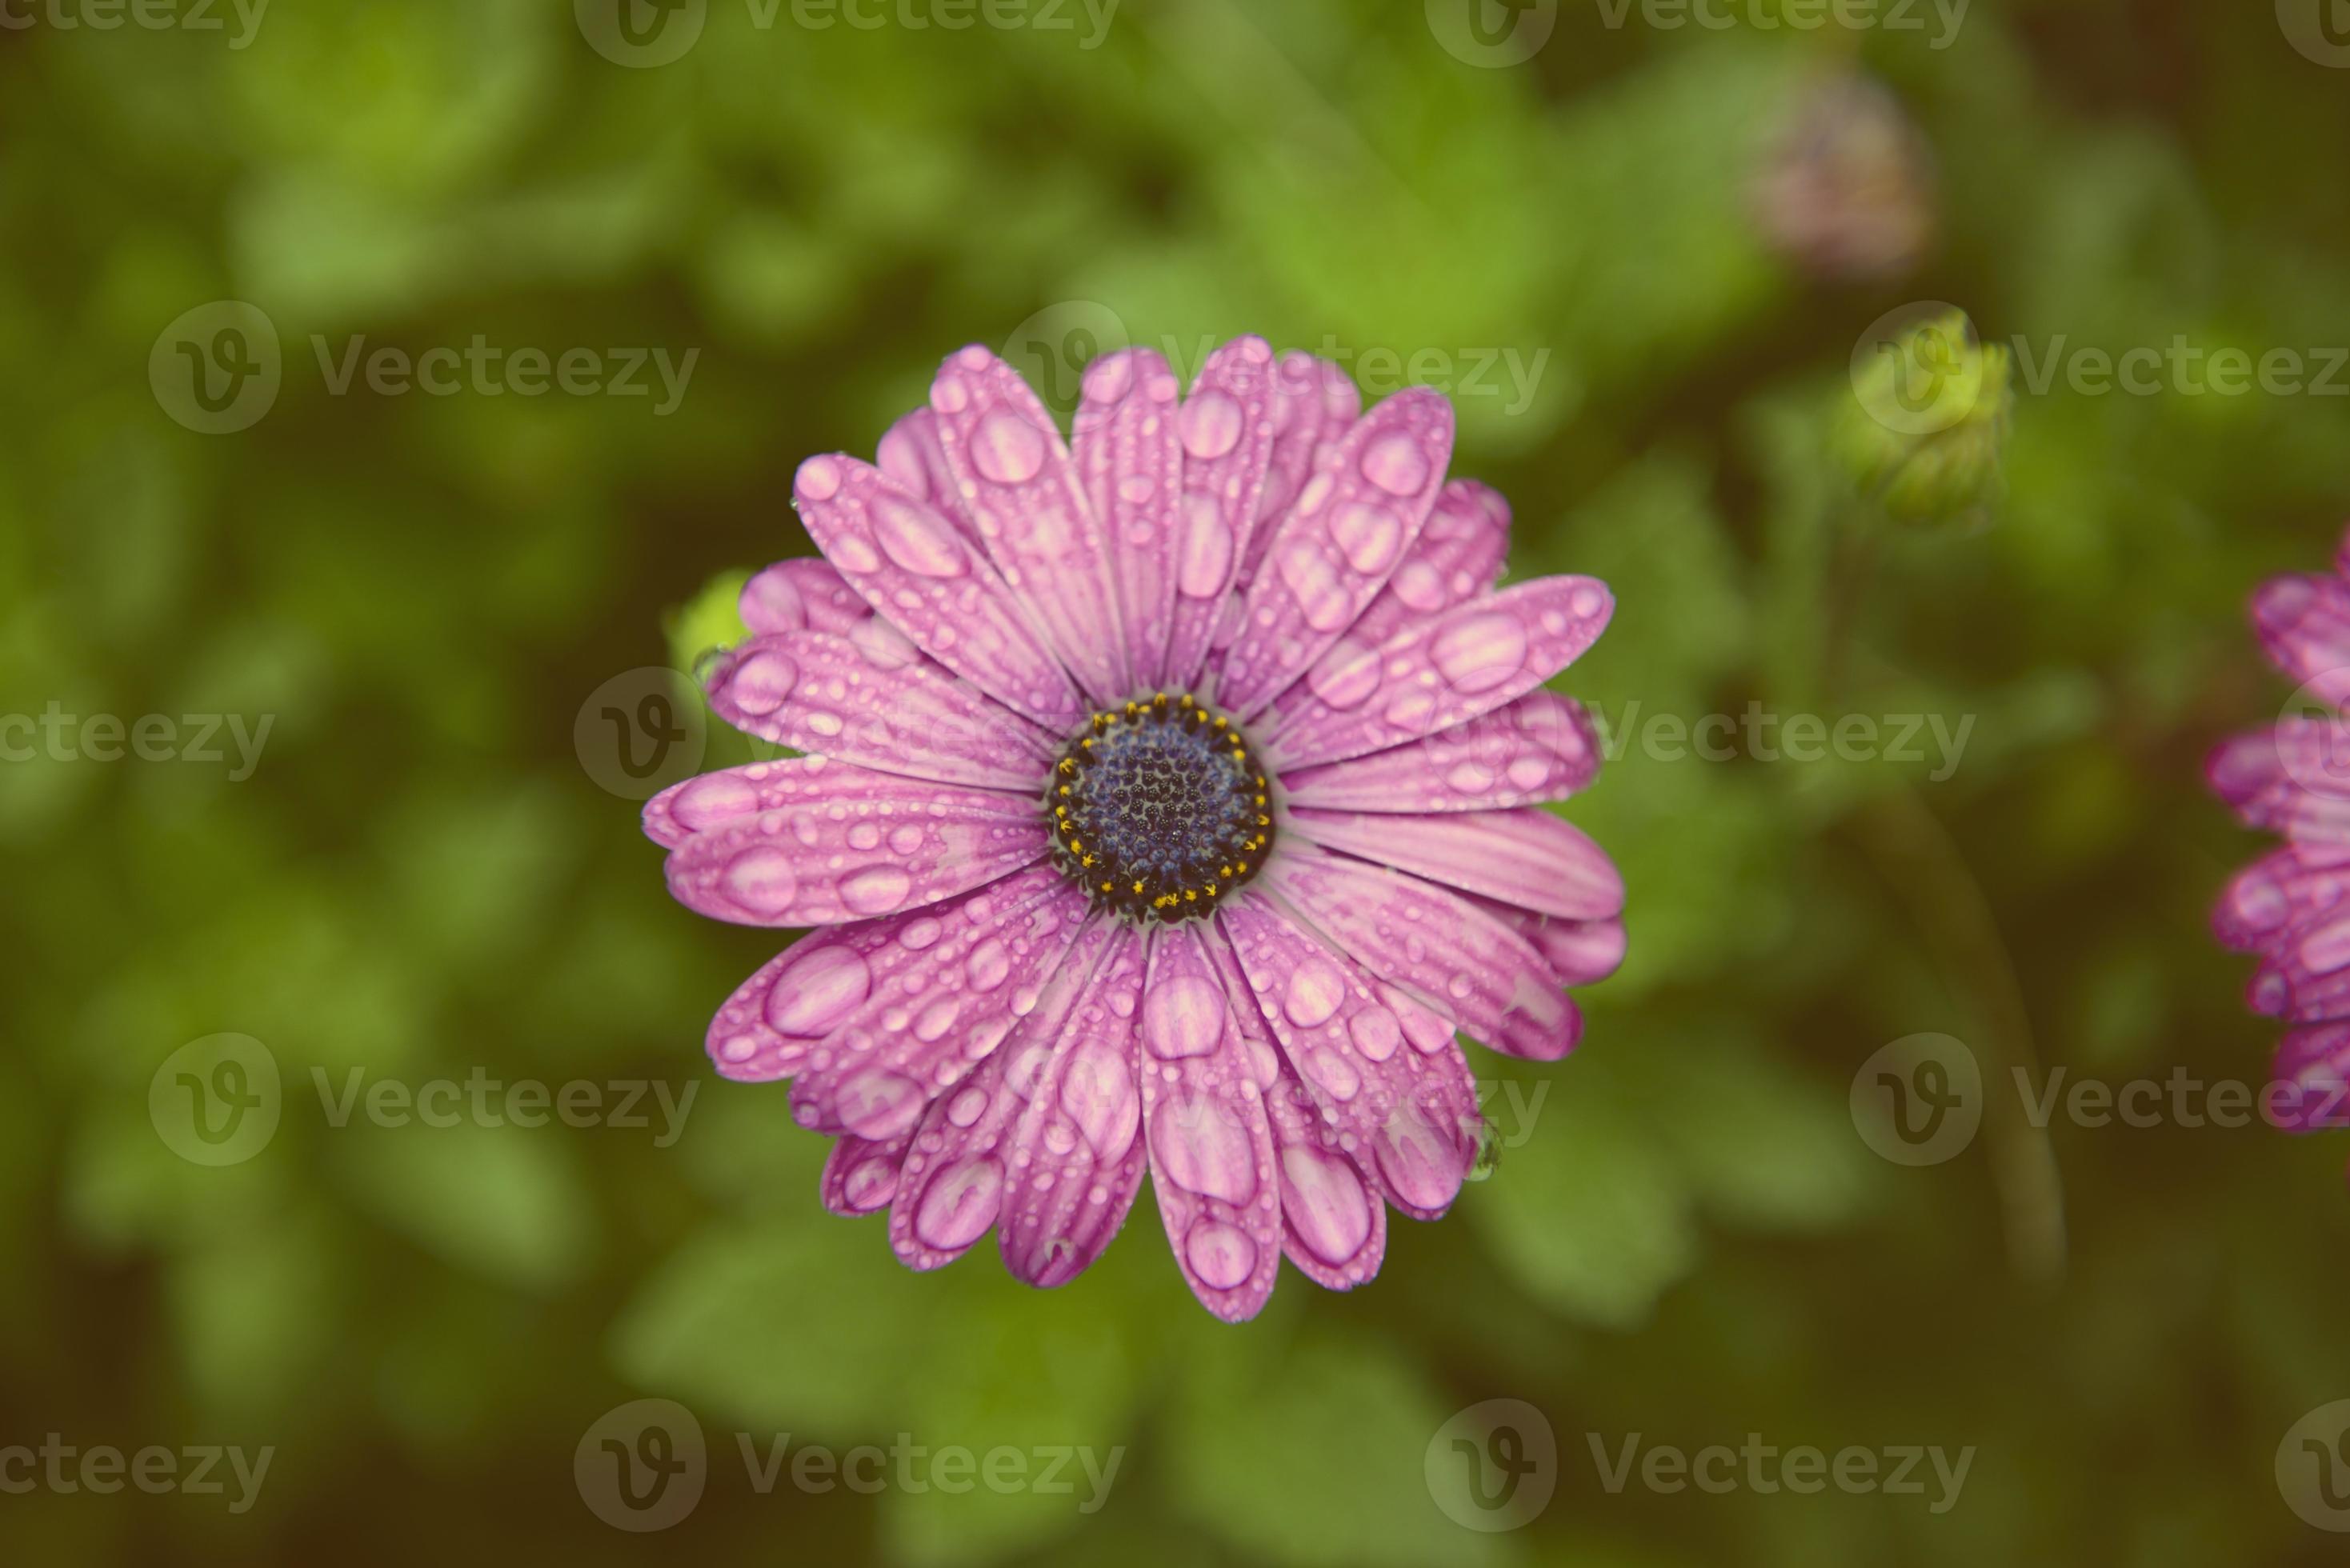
(425,875)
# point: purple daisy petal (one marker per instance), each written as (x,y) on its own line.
(860,1177)
(813,841)
(915,567)
(1542,747)
(1017,480)
(1226,431)
(912,454)
(802,595)
(2304,625)
(871,699)
(1315,404)
(940,1014)
(1368,1077)
(1529,857)
(2312,1078)
(2293,776)
(1460,964)
(1442,672)
(1334,1226)
(1212,1152)
(1584,952)
(1132,464)
(952,1188)
(1458,557)
(868,977)
(2276,894)
(1335,549)
(2306,979)
(1077,1152)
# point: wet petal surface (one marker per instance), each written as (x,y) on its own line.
(813,841)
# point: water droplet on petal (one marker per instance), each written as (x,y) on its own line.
(1182,1017)
(1322,1197)
(1210,425)
(1316,990)
(1346,675)
(878,1103)
(1202,1147)
(1370,535)
(1007,449)
(1206,554)
(1479,651)
(812,995)
(763,683)
(877,889)
(1396,463)
(819,478)
(960,1204)
(762,880)
(917,538)
(989,965)
(712,799)
(1223,1255)
(1376,1033)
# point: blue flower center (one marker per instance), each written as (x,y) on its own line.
(1158,809)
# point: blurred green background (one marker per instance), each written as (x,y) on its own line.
(1677,235)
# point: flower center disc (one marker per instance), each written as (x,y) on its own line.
(1158,810)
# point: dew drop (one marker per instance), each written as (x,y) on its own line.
(1007,449)
(877,889)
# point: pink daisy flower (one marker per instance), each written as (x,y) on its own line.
(1170,797)
(2291,907)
